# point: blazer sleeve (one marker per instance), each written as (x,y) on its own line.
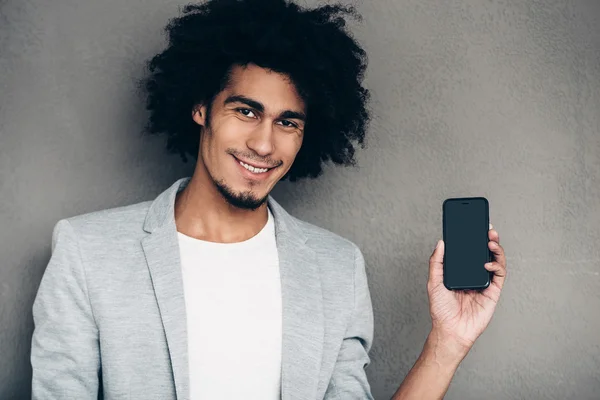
(65,354)
(349,380)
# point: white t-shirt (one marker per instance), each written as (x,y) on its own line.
(233,302)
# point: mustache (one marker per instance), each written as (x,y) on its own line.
(252,157)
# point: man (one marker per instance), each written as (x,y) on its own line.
(212,290)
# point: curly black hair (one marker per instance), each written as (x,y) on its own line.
(310,46)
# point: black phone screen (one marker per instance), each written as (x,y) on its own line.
(466,224)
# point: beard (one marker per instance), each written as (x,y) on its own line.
(243,200)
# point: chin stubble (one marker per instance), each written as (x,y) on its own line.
(243,200)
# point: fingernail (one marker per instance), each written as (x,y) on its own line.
(491,226)
(438,244)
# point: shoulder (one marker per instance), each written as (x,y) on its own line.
(112,223)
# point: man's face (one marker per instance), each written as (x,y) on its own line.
(255,130)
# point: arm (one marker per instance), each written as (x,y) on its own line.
(458,319)
(65,354)
(432,373)
(349,380)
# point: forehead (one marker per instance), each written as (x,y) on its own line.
(274,90)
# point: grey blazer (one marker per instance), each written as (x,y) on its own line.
(110,318)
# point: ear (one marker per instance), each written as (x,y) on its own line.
(199,114)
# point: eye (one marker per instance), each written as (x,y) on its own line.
(291,124)
(245,109)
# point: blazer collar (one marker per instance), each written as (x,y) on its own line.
(162,212)
(302,307)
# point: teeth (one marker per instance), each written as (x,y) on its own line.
(252,169)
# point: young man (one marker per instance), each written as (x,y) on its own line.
(212,290)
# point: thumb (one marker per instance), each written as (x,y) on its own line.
(436,265)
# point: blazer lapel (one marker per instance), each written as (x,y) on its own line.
(161,248)
(302,300)
(302,305)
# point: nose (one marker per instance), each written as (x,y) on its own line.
(262,139)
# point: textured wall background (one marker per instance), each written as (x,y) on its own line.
(471,98)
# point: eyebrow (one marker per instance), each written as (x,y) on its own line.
(261,108)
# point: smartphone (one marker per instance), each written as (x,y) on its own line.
(466,223)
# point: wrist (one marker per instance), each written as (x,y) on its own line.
(444,350)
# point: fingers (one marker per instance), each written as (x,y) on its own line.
(436,265)
(498,266)
(499,271)
(497,251)
(493,234)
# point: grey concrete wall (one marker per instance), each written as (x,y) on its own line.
(471,98)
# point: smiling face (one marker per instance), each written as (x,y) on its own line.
(254,131)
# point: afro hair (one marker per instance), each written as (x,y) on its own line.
(310,46)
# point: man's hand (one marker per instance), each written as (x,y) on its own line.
(462,315)
(458,318)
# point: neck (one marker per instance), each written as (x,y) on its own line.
(202,213)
